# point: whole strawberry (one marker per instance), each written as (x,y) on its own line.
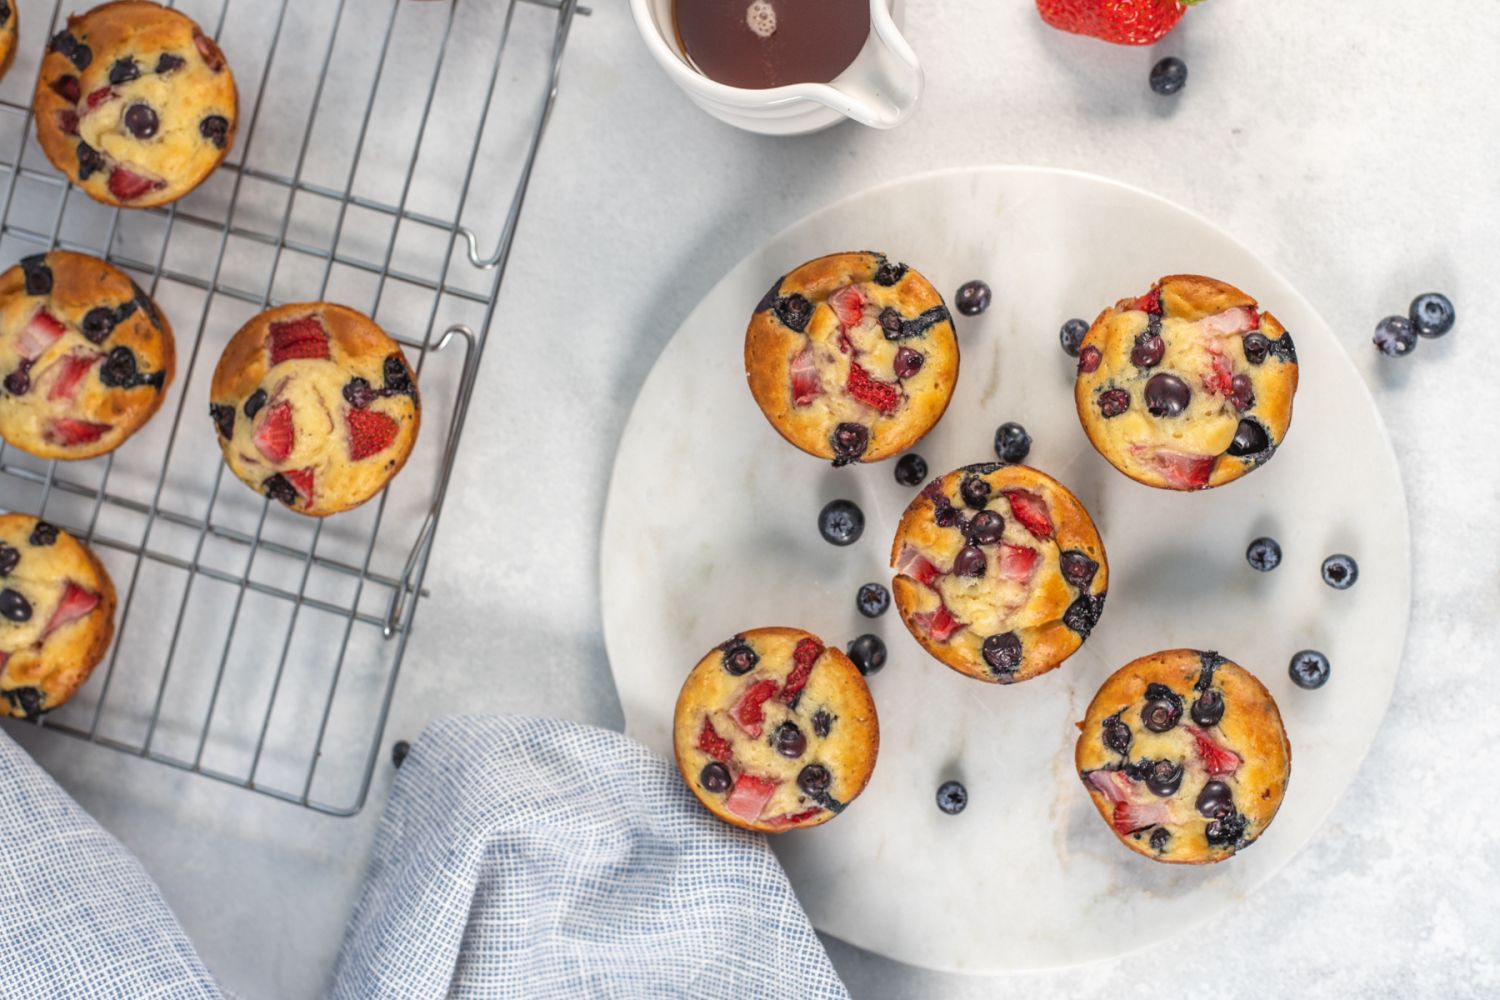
(1124,22)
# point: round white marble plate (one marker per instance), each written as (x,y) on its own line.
(711,528)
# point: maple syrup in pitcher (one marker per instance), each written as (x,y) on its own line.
(771,43)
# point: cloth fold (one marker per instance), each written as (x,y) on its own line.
(537,858)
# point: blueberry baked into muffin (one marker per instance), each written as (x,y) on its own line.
(314,406)
(1187,387)
(9,26)
(85,356)
(135,104)
(57,615)
(775,731)
(1000,572)
(1184,754)
(852,357)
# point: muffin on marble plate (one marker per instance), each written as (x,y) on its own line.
(1185,756)
(1001,574)
(775,731)
(852,357)
(1187,387)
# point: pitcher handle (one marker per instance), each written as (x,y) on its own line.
(883,84)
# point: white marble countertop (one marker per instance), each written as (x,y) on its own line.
(1354,146)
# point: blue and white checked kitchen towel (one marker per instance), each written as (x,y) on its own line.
(516,858)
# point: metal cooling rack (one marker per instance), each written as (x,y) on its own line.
(255,646)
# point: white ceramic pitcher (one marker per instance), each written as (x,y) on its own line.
(880,88)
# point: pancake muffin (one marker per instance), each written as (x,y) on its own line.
(1187,387)
(57,615)
(1000,572)
(85,356)
(9,27)
(1185,756)
(852,357)
(135,104)
(775,731)
(315,406)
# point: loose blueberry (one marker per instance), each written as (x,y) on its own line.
(911,469)
(975,492)
(714,777)
(1166,395)
(43,534)
(223,419)
(849,442)
(986,528)
(970,561)
(1340,571)
(952,796)
(399,751)
(1208,708)
(841,522)
(1215,800)
(822,722)
(1242,392)
(1250,439)
(789,741)
(908,362)
(1432,314)
(1071,336)
(873,600)
(37,274)
(1264,554)
(868,654)
(1012,443)
(814,779)
(1088,359)
(215,128)
(14,606)
(1309,669)
(141,120)
(9,557)
(1159,838)
(1168,76)
(1116,735)
(1163,708)
(1113,402)
(1257,345)
(887,274)
(1002,653)
(1077,568)
(739,659)
(973,298)
(1395,337)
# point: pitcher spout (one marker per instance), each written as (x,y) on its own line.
(883,84)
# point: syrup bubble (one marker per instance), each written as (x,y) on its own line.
(761,17)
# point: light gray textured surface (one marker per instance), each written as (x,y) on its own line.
(1352,145)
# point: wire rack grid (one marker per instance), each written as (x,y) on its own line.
(255,646)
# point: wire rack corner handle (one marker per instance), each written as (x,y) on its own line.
(565,12)
(410,571)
